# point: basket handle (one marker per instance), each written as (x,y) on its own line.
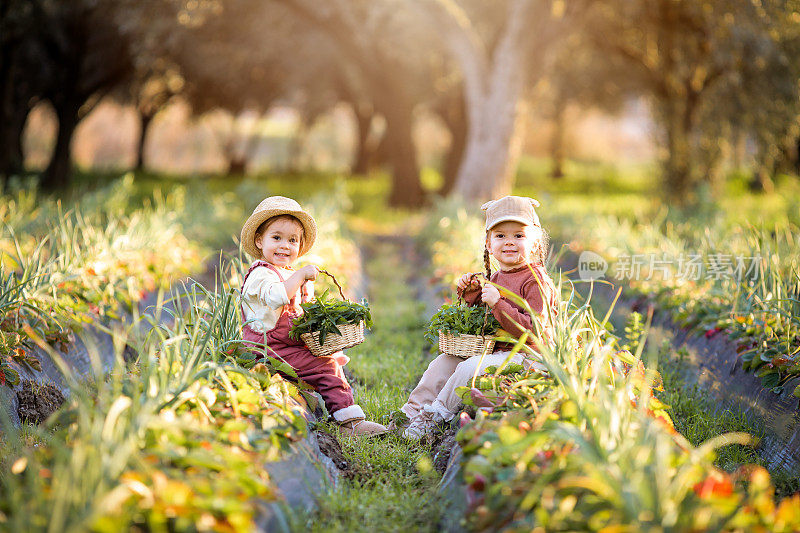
(460,298)
(323,271)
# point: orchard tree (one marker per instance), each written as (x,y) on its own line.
(585,77)
(68,53)
(240,57)
(685,53)
(397,65)
(150,29)
(88,59)
(765,99)
(496,64)
(151,88)
(23,76)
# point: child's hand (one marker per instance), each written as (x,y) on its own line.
(309,272)
(467,281)
(490,295)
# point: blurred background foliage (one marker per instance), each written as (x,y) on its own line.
(685,100)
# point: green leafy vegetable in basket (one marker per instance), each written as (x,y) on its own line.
(323,315)
(461,318)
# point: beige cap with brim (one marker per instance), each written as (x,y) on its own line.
(272,207)
(511,208)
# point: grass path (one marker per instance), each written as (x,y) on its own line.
(393,484)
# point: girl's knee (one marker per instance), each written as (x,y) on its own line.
(442,359)
(468,365)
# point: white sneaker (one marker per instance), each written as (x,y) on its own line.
(419,426)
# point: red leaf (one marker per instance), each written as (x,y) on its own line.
(716,484)
(479,483)
(479,399)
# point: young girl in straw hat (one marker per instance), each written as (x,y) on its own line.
(276,234)
(516,240)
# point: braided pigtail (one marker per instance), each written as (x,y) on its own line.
(539,256)
(486,264)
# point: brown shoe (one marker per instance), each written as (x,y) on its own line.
(362,428)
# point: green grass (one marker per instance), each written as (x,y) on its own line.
(629,190)
(699,417)
(393,487)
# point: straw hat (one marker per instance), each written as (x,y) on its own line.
(271,207)
(516,208)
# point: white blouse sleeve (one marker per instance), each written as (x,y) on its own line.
(310,290)
(266,286)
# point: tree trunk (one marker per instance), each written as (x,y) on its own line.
(678,167)
(714,156)
(492,149)
(493,89)
(145,119)
(57,175)
(677,179)
(237,166)
(12,158)
(406,188)
(761,180)
(739,148)
(557,141)
(15,97)
(364,152)
(453,113)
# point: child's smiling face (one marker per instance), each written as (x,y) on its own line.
(511,243)
(280,242)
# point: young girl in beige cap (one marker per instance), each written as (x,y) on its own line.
(517,242)
(276,234)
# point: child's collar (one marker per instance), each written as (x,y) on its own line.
(525,266)
(265,262)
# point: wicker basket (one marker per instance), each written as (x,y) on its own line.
(464,346)
(352,334)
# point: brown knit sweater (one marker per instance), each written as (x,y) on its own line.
(533,284)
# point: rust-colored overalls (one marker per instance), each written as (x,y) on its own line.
(322,373)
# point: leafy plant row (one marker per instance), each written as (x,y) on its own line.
(748,288)
(60,270)
(176,440)
(587,446)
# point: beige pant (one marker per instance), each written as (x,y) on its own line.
(436,390)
